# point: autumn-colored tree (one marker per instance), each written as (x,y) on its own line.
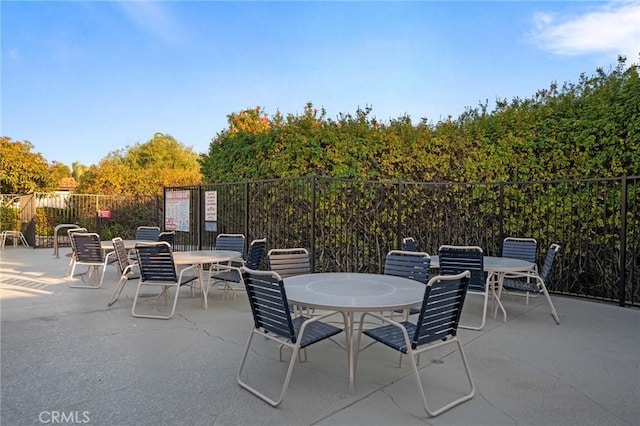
(143,169)
(59,170)
(23,171)
(250,121)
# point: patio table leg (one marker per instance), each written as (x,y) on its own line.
(203,286)
(349,347)
(496,296)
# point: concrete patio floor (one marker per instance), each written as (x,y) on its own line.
(65,353)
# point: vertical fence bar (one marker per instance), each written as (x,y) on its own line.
(399,219)
(245,225)
(623,242)
(313,223)
(198,219)
(501,212)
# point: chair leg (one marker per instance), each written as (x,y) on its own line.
(233,292)
(226,290)
(466,397)
(117,291)
(88,274)
(302,358)
(104,269)
(173,307)
(68,273)
(552,308)
(262,396)
(484,313)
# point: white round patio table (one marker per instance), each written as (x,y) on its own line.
(353,292)
(193,257)
(202,257)
(128,244)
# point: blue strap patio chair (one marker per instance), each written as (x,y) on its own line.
(408,264)
(87,252)
(409,244)
(233,242)
(414,265)
(437,325)
(147,233)
(457,259)
(168,237)
(128,269)
(157,268)
(534,282)
(272,320)
(230,274)
(520,248)
(72,255)
(288,262)
(524,249)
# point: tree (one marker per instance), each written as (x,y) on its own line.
(143,169)
(588,129)
(576,130)
(59,171)
(21,170)
(77,170)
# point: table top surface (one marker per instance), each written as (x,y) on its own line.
(128,244)
(204,256)
(497,264)
(353,291)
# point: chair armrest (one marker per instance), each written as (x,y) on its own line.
(524,274)
(129,268)
(383,319)
(388,321)
(221,267)
(107,257)
(183,270)
(238,263)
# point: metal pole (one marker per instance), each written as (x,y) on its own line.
(399,220)
(313,223)
(199,215)
(623,242)
(501,214)
(245,225)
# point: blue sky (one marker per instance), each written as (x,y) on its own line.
(83,78)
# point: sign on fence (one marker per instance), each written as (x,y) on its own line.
(211,206)
(177,211)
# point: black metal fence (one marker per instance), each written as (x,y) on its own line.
(350,225)
(38,214)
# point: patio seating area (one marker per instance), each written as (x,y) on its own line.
(66,354)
